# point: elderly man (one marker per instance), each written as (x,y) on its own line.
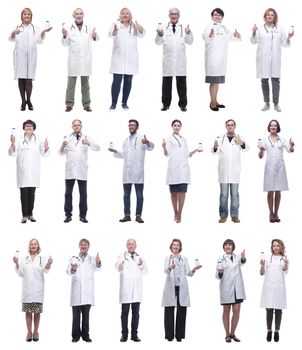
(81,268)
(75,147)
(78,37)
(229,147)
(134,148)
(173,37)
(131,267)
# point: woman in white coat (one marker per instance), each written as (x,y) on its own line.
(28,149)
(273,296)
(275,178)
(270,38)
(216,37)
(178,174)
(232,293)
(176,291)
(26,36)
(124,59)
(31,269)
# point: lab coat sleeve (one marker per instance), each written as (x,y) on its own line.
(42,150)
(66,41)
(159,40)
(111,30)
(255,38)
(119,260)
(11,152)
(166,266)
(150,146)
(68,269)
(20,270)
(231,35)
(119,155)
(240,261)
(144,266)
(141,35)
(38,36)
(189,38)
(286,145)
(284,41)
(188,271)
(246,148)
(206,34)
(93,145)
(95,267)
(97,38)
(43,264)
(10,38)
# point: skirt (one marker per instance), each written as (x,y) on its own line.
(178,188)
(35,308)
(215,80)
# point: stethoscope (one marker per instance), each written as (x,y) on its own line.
(134,254)
(74,27)
(130,141)
(181,138)
(75,135)
(234,138)
(271,259)
(30,261)
(181,30)
(273,144)
(273,30)
(26,142)
(176,258)
(21,27)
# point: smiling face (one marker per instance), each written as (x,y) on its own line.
(276,248)
(132,127)
(176,127)
(125,16)
(230,127)
(33,247)
(26,16)
(84,247)
(217,17)
(131,245)
(28,130)
(77,126)
(273,127)
(174,16)
(228,248)
(175,249)
(270,17)
(78,15)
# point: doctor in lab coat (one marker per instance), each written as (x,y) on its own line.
(176,291)
(28,150)
(124,59)
(273,296)
(132,267)
(75,147)
(81,268)
(270,38)
(134,148)
(217,37)
(229,147)
(174,37)
(31,269)
(77,37)
(231,286)
(26,36)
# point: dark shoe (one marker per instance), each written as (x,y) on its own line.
(277,218)
(135,338)
(36,337)
(84,220)
(123,339)
(125,218)
(88,340)
(276,337)
(228,339)
(68,109)
(23,106)
(30,106)
(178,339)
(269,336)
(29,337)
(215,109)
(87,109)
(24,220)
(112,108)
(75,340)
(139,219)
(170,339)
(220,106)
(235,338)
(125,107)
(67,219)
(165,108)
(183,109)
(235,219)
(32,219)
(222,220)
(272,219)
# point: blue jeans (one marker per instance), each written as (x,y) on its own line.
(82,184)
(139,188)
(116,87)
(224,197)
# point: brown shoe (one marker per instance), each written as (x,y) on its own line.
(87,109)
(235,219)
(68,109)
(222,220)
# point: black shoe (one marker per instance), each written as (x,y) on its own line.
(269,336)
(125,106)
(23,106)
(178,339)
(215,109)
(135,338)
(32,219)
(183,109)
(170,339)
(237,340)
(220,106)
(276,337)
(87,109)
(68,219)
(125,218)
(139,219)
(228,339)
(165,108)
(123,339)
(75,340)
(30,106)
(68,109)
(83,219)
(88,340)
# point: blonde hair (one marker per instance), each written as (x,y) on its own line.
(275,13)
(26,9)
(34,239)
(129,12)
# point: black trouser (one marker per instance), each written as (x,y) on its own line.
(77,332)
(269,318)
(181,315)
(27,195)
(134,320)
(181,84)
(68,197)
(25,88)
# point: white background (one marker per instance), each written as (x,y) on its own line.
(202,236)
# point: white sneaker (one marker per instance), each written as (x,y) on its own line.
(266,107)
(277,108)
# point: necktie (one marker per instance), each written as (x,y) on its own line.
(231,258)
(132,256)
(77,136)
(173,28)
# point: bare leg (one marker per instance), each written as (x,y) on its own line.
(235,318)
(277,203)
(270,202)
(29,320)
(226,319)
(181,196)
(174,203)
(36,325)
(213,94)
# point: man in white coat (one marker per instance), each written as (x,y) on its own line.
(174,38)
(77,37)
(81,268)
(229,147)
(75,147)
(133,153)
(131,267)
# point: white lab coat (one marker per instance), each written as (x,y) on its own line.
(32,273)
(231,283)
(76,152)
(79,53)
(178,165)
(229,163)
(82,281)
(275,178)
(124,59)
(131,278)
(268,57)
(216,49)
(180,273)
(25,52)
(28,153)
(174,50)
(134,158)
(273,291)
